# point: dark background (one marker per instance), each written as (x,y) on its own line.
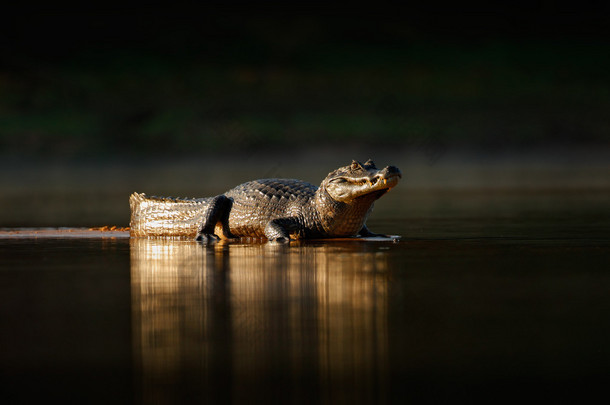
(219,79)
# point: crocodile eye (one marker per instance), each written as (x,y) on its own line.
(338,180)
(356,165)
(370,164)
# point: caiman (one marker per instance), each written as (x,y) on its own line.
(277,209)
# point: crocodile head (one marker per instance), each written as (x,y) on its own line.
(349,183)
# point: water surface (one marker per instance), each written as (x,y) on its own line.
(491,308)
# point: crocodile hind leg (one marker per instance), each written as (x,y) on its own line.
(217,212)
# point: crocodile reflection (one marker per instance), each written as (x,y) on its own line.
(240,323)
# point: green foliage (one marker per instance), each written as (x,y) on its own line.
(484,94)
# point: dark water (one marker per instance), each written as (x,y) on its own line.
(489,310)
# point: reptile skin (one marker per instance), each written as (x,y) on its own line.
(276,209)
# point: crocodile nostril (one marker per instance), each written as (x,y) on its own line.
(393,170)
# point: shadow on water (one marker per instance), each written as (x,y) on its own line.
(248,323)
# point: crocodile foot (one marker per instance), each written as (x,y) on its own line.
(206,238)
(281,239)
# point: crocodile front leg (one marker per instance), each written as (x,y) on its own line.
(279,230)
(218,211)
(366,232)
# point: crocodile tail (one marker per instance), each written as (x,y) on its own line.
(165,216)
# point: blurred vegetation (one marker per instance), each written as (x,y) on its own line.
(208,95)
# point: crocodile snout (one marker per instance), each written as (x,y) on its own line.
(390,171)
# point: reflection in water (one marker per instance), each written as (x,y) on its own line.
(243,323)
